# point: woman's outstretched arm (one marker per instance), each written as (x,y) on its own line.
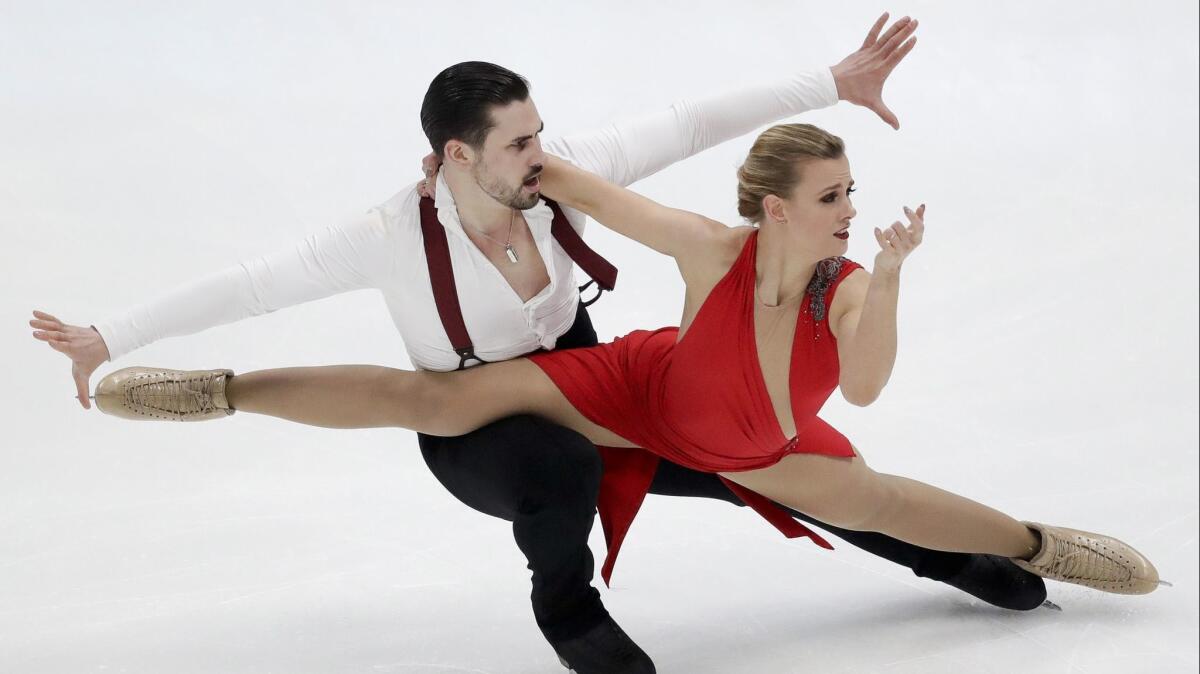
(670,231)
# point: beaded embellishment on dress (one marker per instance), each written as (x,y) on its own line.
(827,270)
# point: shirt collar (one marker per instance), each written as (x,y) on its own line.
(539,217)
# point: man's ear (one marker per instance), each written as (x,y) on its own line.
(458,152)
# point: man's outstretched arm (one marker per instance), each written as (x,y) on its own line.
(357,254)
(628,151)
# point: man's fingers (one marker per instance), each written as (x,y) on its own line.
(899,36)
(885,113)
(891,32)
(873,34)
(45,316)
(81,390)
(51,336)
(898,55)
(45,325)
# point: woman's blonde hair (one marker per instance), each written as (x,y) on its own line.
(775,161)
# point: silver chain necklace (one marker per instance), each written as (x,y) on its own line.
(507,243)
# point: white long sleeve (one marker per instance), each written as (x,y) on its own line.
(625,152)
(357,254)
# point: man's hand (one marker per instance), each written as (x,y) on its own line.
(84,346)
(860,76)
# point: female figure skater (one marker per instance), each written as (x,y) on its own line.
(774,320)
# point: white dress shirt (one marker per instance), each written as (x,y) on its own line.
(383,248)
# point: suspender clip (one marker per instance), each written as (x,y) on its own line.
(599,292)
(466,354)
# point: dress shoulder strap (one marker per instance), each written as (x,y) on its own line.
(829,274)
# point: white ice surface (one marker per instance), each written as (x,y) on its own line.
(1048,334)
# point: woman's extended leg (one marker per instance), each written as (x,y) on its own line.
(349,396)
(848,494)
(435,403)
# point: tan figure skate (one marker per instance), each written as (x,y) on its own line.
(160,394)
(1092,560)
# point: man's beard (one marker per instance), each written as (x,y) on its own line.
(516,197)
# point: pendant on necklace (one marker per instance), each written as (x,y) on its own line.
(512,254)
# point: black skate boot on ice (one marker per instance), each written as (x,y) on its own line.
(604,649)
(1000,582)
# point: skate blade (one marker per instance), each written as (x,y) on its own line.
(1052,606)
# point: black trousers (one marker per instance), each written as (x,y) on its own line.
(544,478)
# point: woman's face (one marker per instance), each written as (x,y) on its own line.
(818,211)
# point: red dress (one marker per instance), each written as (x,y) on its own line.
(702,402)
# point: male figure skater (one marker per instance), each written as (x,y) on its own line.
(516,289)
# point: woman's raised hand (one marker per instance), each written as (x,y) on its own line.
(429,166)
(897,241)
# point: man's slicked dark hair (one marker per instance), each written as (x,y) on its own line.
(459,100)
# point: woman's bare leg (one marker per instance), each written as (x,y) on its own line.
(848,494)
(435,403)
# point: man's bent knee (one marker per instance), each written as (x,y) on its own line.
(567,473)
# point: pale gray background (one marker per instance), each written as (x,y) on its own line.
(1048,333)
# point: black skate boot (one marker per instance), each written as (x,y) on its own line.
(604,649)
(999,582)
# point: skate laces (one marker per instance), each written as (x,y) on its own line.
(183,395)
(1085,561)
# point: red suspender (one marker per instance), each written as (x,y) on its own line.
(441,272)
(441,277)
(602,273)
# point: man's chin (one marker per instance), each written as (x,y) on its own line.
(525,200)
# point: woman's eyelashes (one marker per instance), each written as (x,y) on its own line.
(832,196)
